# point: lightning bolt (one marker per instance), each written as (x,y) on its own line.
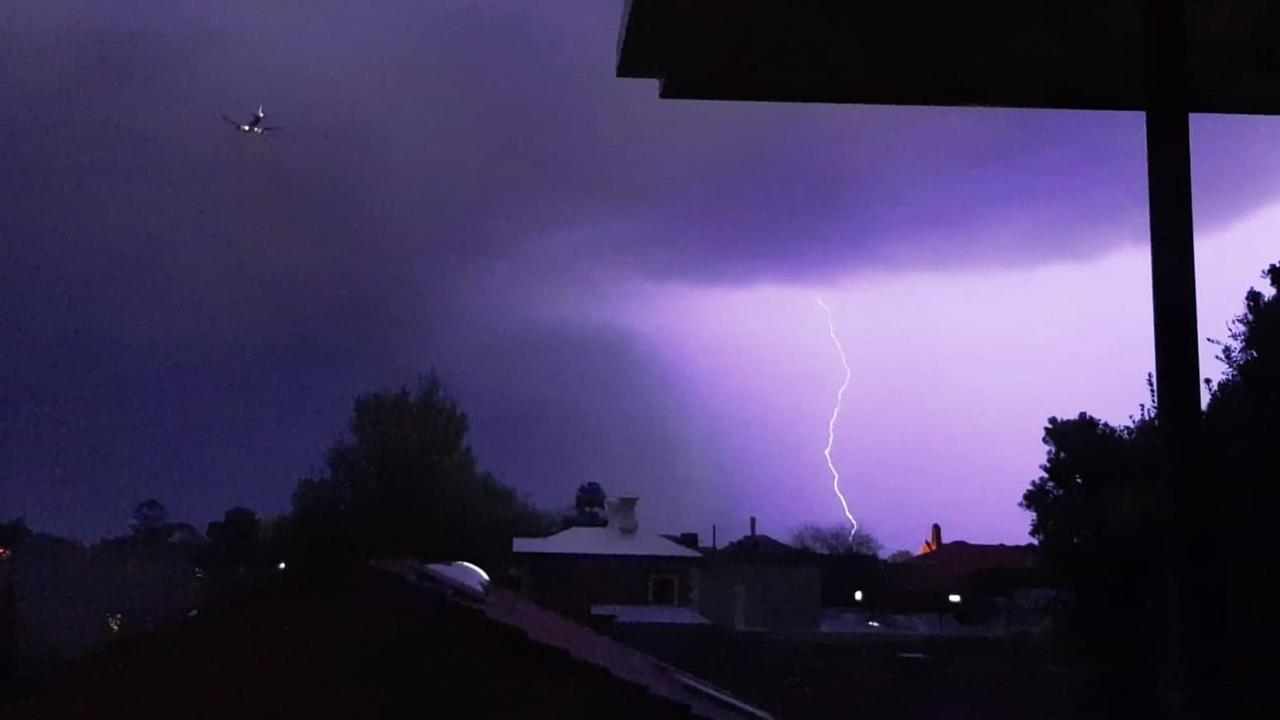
(835,414)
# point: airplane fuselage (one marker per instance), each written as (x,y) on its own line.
(254,126)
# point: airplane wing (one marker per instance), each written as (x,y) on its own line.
(233,122)
(272,127)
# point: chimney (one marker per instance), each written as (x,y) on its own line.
(622,514)
(935,537)
(713,537)
(753,526)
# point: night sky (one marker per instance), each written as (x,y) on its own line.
(616,288)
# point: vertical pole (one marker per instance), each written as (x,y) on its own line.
(1177,365)
(1173,290)
(1173,285)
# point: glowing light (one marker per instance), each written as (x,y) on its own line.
(953,598)
(281,566)
(857,596)
(113,622)
(873,623)
(835,414)
(474,568)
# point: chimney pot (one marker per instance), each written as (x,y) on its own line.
(622,514)
(753,526)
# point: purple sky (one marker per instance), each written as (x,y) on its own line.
(617,288)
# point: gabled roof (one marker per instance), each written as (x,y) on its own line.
(602,541)
(761,547)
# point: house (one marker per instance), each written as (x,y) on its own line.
(950,588)
(973,582)
(758,582)
(615,572)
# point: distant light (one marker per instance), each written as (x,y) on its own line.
(857,596)
(953,598)
(114,621)
(281,566)
(474,568)
(873,623)
(193,613)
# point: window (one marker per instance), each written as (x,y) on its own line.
(664,590)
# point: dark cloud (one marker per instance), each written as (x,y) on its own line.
(187,312)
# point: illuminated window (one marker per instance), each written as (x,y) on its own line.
(664,590)
(857,596)
(953,598)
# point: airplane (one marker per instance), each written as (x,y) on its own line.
(255,125)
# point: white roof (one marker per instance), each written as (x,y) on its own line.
(665,614)
(602,541)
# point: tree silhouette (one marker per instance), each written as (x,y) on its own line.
(590,496)
(237,538)
(835,540)
(588,507)
(150,519)
(406,483)
(1106,528)
(14,534)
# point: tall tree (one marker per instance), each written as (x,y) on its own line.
(1104,523)
(406,483)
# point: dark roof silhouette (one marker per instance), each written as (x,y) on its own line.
(946,568)
(996,54)
(760,545)
(376,644)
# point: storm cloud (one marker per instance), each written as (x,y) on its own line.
(186,312)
